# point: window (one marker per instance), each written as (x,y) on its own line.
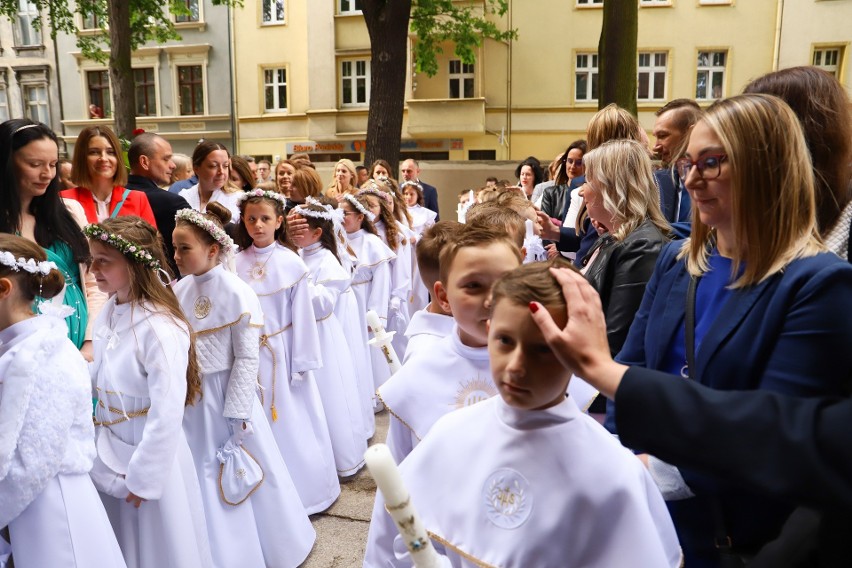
(586,77)
(350,6)
(655,2)
(828,59)
(273,12)
(4,103)
(275,89)
(35,99)
(710,82)
(461,79)
(192,13)
(355,82)
(191,89)
(589,2)
(652,76)
(92,21)
(100,101)
(146,91)
(27,34)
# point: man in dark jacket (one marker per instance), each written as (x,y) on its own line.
(151,167)
(411,172)
(671,133)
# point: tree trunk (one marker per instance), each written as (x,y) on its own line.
(618,54)
(387,24)
(120,70)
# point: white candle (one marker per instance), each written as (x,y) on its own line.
(529,226)
(374,322)
(398,503)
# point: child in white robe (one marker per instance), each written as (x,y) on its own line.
(289,348)
(394,234)
(336,379)
(372,278)
(432,323)
(47,500)
(454,372)
(525,478)
(269,527)
(421,220)
(145,374)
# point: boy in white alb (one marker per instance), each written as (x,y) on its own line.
(525,478)
(453,372)
(432,323)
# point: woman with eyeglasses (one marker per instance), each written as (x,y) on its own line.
(567,181)
(752,301)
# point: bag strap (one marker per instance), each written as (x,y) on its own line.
(115,211)
(722,537)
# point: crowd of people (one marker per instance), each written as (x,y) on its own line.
(199,378)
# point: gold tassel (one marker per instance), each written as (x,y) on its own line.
(274,414)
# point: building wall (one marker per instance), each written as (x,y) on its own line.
(535,76)
(205,43)
(29,85)
(808,26)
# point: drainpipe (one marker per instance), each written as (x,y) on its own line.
(509,90)
(779,19)
(232,55)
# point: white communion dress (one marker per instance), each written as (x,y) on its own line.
(289,352)
(545,488)
(141,357)
(269,528)
(47,500)
(336,379)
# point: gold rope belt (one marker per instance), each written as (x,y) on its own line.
(125,416)
(264,342)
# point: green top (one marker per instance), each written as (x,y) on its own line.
(60,253)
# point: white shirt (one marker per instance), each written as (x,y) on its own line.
(424,330)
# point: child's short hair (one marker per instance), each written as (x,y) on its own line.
(532,282)
(474,235)
(490,214)
(429,248)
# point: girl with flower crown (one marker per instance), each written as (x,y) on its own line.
(145,373)
(394,233)
(47,500)
(289,348)
(263,524)
(372,278)
(349,414)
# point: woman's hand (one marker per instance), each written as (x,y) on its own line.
(549,229)
(582,346)
(551,251)
(87,351)
(134,500)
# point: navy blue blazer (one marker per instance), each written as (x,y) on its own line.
(430,198)
(789,334)
(670,185)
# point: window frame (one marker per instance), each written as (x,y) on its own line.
(711,69)
(350,12)
(154,84)
(4,97)
(29,11)
(202,81)
(28,107)
(104,88)
(353,78)
(592,71)
(462,76)
(272,22)
(274,86)
(824,49)
(653,70)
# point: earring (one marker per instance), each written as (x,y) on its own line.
(164,277)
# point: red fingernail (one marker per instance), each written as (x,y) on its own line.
(533,307)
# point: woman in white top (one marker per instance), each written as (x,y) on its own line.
(212,164)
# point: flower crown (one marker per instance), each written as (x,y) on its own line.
(30,265)
(129,249)
(357,205)
(208,226)
(329,213)
(411,183)
(372,188)
(257,192)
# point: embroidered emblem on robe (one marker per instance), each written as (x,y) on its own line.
(507,498)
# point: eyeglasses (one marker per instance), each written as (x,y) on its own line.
(572,162)
(709,167)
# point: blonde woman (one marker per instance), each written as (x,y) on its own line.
(621,195)
(751,301)
(344,179)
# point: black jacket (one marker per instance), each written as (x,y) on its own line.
(164,204)
(620,273)
(430,198)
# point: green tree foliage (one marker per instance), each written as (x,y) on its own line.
(434,22)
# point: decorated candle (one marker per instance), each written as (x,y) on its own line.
(382,341)
(401,509)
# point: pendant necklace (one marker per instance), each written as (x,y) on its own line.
(258,270)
